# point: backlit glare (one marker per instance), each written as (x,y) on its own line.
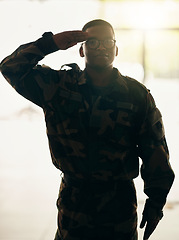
(148,15)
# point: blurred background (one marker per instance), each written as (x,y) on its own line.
(147,34)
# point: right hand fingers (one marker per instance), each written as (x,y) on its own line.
(68,39)
(79,36)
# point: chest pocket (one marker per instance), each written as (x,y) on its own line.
(108,115)
(126,113)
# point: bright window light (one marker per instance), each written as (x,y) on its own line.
(148,15)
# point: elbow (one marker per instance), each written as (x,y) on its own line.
(7,71)
(4,69)
(3,65)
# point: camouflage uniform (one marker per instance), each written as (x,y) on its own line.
(96,137)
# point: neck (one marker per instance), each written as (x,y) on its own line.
(99,76)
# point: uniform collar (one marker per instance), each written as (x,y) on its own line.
(118,81)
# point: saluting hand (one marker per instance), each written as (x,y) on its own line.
(67,39)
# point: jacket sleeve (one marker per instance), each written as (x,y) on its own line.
(156,171)
(21,70)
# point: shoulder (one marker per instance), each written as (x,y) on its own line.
(136,91)
(44,69)
(136,85)
(66,68)
(129,84)
(139,91)
(69,73)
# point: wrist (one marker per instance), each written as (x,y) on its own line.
(152,210)
(46,43)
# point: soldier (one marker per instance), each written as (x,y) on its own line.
(99,123)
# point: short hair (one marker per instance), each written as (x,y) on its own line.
(97,22)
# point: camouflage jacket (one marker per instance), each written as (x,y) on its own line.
(94,134)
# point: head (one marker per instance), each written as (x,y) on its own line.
(100,49)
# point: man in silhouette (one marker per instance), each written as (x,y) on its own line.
(99,123)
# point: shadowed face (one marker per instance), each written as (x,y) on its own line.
(100,49)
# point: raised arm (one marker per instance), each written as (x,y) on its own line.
(21,70)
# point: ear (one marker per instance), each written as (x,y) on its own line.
(116,51)
(81,51)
